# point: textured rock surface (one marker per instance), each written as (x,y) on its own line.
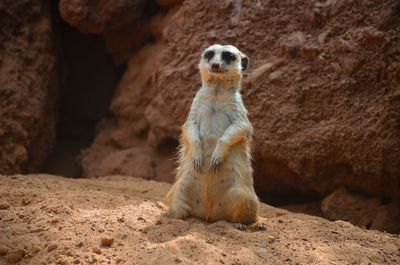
(358,210)
(28,85)
(101,16)
(143,125)
(322,89)
(121,22)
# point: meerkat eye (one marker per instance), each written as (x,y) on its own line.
(228,57)
(209,54)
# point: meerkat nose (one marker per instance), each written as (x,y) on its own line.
(215,66)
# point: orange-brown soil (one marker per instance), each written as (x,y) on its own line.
(47,219)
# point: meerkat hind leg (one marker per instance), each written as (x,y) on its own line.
(179,207)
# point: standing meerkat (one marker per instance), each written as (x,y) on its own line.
(214,178)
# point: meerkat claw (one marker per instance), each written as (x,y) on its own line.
(197,165)
(215,164)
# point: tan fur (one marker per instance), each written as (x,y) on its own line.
(214,178)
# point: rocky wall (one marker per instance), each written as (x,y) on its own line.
(322,91)
(28,85)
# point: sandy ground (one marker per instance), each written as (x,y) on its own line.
(48,219)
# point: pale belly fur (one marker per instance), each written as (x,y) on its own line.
(208,190)
(211,127)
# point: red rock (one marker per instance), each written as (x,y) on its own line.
(342,205)
(4,205)
(14,256)
(3,250)
(52,247)
(28,81)
(107,241)
(327,122)
(100,16)
(97,250)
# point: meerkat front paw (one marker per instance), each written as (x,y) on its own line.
(197,164)
(215,164)
(217,157)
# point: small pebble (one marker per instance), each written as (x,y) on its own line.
(4,205)
(52,247)
(107,241)
(161,206)
(26,200)
(3,250)
(158,222)
(96,250)
(35,250)
(15,256)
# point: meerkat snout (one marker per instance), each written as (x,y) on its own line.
(215,66)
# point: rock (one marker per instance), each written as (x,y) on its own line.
(329,119)
(275,77)
(299,146)
(3,250)
(52,247)
(163,129)
(107,241)
(100,16)
(260,72)
(96,250)
(4,205)
(29,84)
(169,3)
(35,250)
(130,162)
(177,260)
(388,218)
(358,210)
(14,256)
(118,149)
(26,200)
(291,45)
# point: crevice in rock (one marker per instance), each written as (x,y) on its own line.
(88,79)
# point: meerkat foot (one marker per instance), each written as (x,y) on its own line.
(177,212)
(257,227)
(240,226)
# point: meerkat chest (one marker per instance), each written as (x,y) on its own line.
(215,116)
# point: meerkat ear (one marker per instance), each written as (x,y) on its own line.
(245,61)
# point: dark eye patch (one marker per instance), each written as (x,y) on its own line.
(228,57)
(209,54)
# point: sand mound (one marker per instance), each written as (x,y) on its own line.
(48,219)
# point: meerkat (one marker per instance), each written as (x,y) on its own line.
(214,178)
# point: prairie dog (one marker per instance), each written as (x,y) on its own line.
(214,178)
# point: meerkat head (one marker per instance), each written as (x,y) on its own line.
(223,65)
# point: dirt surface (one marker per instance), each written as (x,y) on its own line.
(47,219)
